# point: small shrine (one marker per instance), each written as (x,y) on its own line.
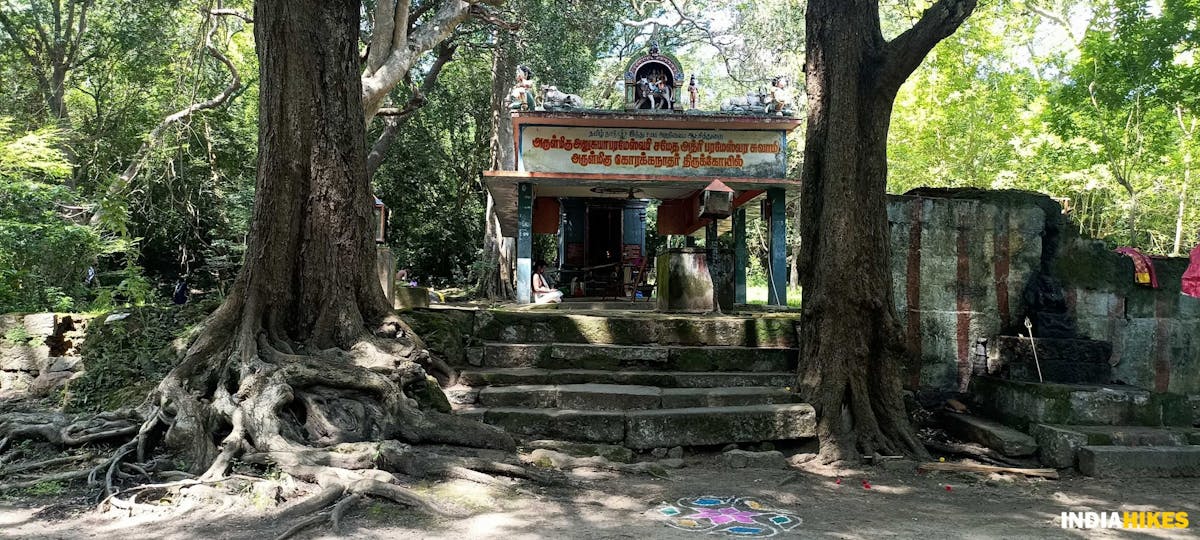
(588,176)
(654,81)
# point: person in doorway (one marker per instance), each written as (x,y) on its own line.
(542,292)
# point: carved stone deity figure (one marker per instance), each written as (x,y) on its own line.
(780,98)
(523,93)
(693,93)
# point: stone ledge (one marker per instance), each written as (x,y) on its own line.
(1139,461)
(662,428)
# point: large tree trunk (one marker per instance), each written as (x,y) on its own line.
(303,367)
(496,279)
(305,352)
(852,349)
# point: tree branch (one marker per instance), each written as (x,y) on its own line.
(30,54)
(906,52)
(397,116)
(399,58)
(155,137)
(233,12)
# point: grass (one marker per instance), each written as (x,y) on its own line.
(757,294)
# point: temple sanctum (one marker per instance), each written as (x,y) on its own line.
(588,177)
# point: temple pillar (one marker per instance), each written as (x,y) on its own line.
(777,267)
(524,243)
(740,256)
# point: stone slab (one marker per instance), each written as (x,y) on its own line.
(718,425)
(532,396)
(662,379)
(742,459)
(991,434)
(619,397)
(590,426)
(626,357)
(775,330)
(1139,461)
(1058,444)
(608,397)
(678,398)
(1020,403)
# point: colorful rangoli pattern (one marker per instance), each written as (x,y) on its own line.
(731,516)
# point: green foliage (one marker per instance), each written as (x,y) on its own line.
(126,358)
(49,488)
(1103,119)
(44,254)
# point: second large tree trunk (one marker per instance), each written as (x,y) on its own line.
(852,348)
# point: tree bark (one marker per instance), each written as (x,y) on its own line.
(852,348)
(496,280)
(305,350)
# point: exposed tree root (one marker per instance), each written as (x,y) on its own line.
(56,477)
(559,460)
(336,417)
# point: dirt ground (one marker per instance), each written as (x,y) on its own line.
(901,503)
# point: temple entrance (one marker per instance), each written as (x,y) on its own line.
(603,235)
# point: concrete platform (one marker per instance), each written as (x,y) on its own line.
(629,357)
(661,379)
(659,428)
(611,397)
(1139,461)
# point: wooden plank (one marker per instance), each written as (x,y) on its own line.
(971,467)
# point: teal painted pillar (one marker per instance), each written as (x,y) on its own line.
(740,256)
(777,270)
(524,243)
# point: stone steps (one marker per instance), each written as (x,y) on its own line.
(1021,404)
(640,379)
(612,397)
(1059,444)
(661,379)
(657,428)
(634,328)
(631,357)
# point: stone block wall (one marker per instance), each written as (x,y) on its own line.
(961,260)
(959,266)
(1155,333)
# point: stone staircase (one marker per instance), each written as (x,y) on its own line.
(1103,430)
(640,379)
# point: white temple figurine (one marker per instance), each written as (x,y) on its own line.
(693,93)
(780,97)
(523,93)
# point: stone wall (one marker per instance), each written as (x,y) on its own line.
(960,262)
(39,351)
(1155,333)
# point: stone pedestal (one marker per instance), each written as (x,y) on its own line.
(385,269)
(411,297)
(686,280)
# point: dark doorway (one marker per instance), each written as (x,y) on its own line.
(603,235)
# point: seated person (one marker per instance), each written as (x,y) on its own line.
(542,292)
